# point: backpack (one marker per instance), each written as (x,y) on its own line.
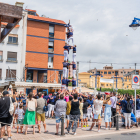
(128,107)
(11,108)
(31,105)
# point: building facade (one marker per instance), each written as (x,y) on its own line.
(44,49)
(122,77)
(12,53)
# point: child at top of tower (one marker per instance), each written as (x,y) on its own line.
(69,33)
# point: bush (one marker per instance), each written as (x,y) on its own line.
(121,91)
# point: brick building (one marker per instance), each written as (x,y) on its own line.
(44,49)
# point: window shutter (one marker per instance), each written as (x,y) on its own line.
(51,44)
(51,29)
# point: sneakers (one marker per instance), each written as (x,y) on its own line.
(1,138)
(88,129)
(98,131)
(84,125)
(9,138)
(74,133)
(106,128)
(87,125)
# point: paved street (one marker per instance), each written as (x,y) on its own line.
(135,135)
(81,133)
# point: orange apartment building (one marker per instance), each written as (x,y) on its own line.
(44,49)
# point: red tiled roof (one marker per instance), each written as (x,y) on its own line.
(30,10)
(46,19)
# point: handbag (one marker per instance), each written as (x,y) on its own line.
(11,109)
(45,108)
(31,105)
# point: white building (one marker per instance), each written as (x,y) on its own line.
(12,54)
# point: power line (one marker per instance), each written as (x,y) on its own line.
(108,63)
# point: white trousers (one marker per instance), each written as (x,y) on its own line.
(67,73)
(74,73)
(64,72)
(74,87)
(127,119)
(74,57)
(63,87)
(89,112)
(66,55)
(68,40)
(49,110)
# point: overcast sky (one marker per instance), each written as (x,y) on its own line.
(101,28)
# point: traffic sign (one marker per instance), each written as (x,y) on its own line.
(135,81)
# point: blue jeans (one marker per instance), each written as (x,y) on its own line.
(58,119)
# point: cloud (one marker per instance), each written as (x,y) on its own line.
(101,28)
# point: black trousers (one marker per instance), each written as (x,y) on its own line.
(113,110)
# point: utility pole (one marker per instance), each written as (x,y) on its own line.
(123,80)
(89,64)
(135,91)
(113,82)
(77,71)
(96,80)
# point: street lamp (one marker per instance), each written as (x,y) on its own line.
(135,24)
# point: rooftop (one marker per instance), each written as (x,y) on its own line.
(37,17)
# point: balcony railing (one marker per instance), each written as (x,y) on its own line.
(29,80)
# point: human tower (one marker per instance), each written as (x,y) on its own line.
(66,64)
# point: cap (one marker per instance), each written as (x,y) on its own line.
(5,92)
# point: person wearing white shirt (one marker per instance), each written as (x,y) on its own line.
(98,103)
(113,107)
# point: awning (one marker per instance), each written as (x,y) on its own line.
(37,85)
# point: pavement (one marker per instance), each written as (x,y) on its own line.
(80,133)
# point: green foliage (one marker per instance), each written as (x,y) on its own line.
(121,91)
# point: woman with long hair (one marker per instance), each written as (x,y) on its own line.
(29,118)
(107,113)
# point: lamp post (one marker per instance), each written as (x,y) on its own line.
(135,23)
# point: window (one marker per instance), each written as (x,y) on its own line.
(105,72)
(51,31)
(109,72)
(110,85)
(45,78)
(51,47)
(29,77)
(10,74)
(113,72)
(13,39)
(93,72)
(1,55)
(12,56)
(0,74)
(107,85)
(121,72)
(50,59)
(101,72)
(32,13)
